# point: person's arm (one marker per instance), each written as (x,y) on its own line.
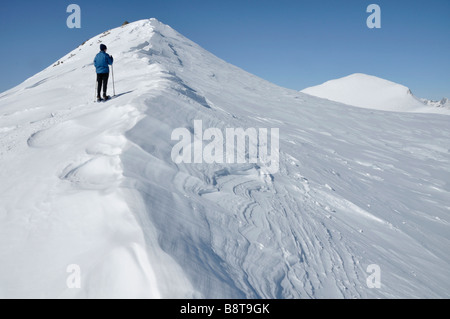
(110,60)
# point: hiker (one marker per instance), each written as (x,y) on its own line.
(102,61)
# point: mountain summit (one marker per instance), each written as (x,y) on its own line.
(371,92)
(93,205)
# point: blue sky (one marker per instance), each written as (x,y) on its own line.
(295,44)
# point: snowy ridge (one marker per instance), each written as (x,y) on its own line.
(93,184)
(444,103)
(371,92)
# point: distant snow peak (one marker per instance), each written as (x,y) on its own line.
(190,148)
(443,103)
(367,91)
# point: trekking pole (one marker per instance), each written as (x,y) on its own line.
(95,93)
(112,73)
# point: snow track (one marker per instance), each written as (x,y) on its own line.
(94,184)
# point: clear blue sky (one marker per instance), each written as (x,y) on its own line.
(294,44)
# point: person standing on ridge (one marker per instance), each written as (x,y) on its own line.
(102,61)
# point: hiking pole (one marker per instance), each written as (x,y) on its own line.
(112,73)
(95,93)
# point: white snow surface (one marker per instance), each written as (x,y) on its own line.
(94,185)
(371,92)
(444,103)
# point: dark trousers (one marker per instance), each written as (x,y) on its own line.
(102,80)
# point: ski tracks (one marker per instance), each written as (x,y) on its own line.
(289,251)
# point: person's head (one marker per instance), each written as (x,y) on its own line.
(103,47)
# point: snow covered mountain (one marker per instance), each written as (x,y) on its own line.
(444,102)
(94,186)
(371,92)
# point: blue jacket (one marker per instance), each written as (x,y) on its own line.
(101,62)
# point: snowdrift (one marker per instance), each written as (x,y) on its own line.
(94,186)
